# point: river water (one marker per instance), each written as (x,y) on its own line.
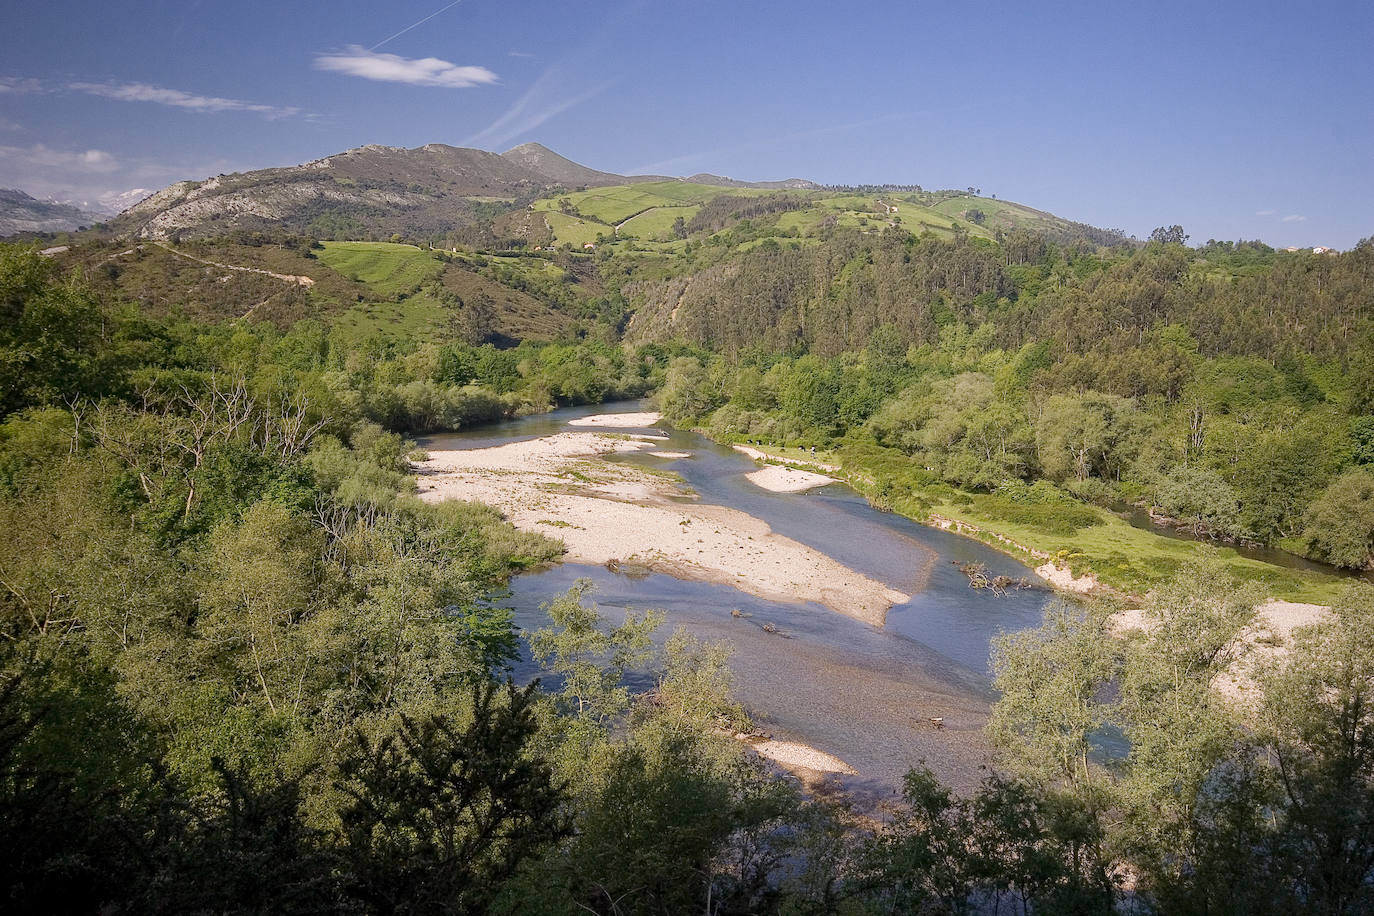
(865,694)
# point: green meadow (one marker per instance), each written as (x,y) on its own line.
(386,268)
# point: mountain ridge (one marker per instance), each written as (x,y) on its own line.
(434,188)
(527,195)
(21,212)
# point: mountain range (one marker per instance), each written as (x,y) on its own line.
(528,194)
(430,189)
(20,212)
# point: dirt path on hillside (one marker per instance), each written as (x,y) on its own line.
(289,278)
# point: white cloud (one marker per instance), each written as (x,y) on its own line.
(1265,212)
(142,92)
(45,158)
(15,84)
(1294,218)
(392,68)
(518,54)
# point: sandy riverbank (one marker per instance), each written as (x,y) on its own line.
(794,757)
(603,511)
(619,420)
(1274,623)
(1266,642)
(780,479)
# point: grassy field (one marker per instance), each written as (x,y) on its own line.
(1132,559)
(997,213)
(574,231)
(616,204)
(386,268)
(658,222)
(859,212)
(1129,559)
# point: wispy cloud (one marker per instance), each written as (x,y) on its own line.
(518,54)
(46,158)
(546,98)
(1294,218)
(176,98)
(392,68)
(15,84)
(1265,212)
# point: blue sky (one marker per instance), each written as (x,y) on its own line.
(1251,120)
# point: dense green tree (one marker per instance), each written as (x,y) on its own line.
(1051,681)
(1169,235)
(439,813)
(1316,711)
(1179,728)
(1093,434)
(1340,522)
(52,335)
(590,660)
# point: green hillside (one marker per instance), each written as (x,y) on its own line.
(657,224)
(646,214)
(386,268)
(361,289)
(614,205)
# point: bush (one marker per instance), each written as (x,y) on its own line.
(1061,517)
(1095,491)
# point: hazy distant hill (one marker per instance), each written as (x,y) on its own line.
(539,158)
(723,182)
(21,213)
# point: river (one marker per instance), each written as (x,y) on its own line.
(865,694)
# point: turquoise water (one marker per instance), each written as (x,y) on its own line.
(860,692)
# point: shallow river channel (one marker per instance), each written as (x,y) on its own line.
(865,694)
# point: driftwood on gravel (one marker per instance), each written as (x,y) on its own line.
(978,577)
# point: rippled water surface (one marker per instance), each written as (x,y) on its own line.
(862,693)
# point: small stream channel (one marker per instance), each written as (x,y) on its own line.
(1137,517)
(863,693)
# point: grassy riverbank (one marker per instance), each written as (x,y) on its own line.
(1086,539)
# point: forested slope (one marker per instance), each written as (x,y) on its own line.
(1226,388)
